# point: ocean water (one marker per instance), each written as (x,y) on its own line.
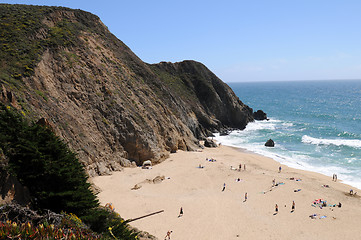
(316,125)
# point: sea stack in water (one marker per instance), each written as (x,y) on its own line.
(270,143)
(260,115)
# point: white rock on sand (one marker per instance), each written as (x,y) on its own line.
(210,213)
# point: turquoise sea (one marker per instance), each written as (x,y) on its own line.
(316,125)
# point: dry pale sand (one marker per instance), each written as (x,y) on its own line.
(210,213)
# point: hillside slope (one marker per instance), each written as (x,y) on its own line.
(64,65)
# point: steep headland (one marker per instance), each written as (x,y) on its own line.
(65,66)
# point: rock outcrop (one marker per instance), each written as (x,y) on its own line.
(270,143)
(8,97)
(10,188)
(111,108)
(260,115)
(210,143)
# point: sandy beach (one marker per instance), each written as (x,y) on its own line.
(210,213)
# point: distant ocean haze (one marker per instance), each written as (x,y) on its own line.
(316,125)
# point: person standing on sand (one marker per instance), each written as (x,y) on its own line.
(240,167)
(279,169)
(244,166)
(334,177)
(168,235)
(224,187)
(245,197)
(181,212)
(293,206)
(276,208)
(273,182)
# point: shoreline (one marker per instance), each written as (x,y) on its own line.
(300,165)
(210,213)
(244,150)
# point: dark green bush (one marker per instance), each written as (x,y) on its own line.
(43,162)
(55,178)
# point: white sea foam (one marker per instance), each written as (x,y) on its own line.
(292,159)
(287,124)
(355,143)
(260,125)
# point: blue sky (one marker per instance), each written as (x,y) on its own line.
(258,40)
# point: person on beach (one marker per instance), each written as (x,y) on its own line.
(245,197)
(181,212)
(240,167)
(110,206)
(293,206)
(224,187)
(334,177)
(276,208)
(273,182)
(244,167)
(168,235)
(279,169)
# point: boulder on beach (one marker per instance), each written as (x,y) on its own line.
(210,143)
(270,143)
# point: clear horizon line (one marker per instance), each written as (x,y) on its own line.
(304,80)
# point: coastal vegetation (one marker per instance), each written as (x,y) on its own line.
(24,37)
(19,52)
(56,180)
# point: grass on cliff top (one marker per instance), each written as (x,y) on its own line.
(192,83)
(24,37)
(174,82)
(19,51)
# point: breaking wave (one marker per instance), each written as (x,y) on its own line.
(355,143)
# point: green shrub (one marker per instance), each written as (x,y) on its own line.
(43,162)
(56,181)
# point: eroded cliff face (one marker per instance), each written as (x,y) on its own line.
(111,107)
(212,101)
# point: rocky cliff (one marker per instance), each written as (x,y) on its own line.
(64,65)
